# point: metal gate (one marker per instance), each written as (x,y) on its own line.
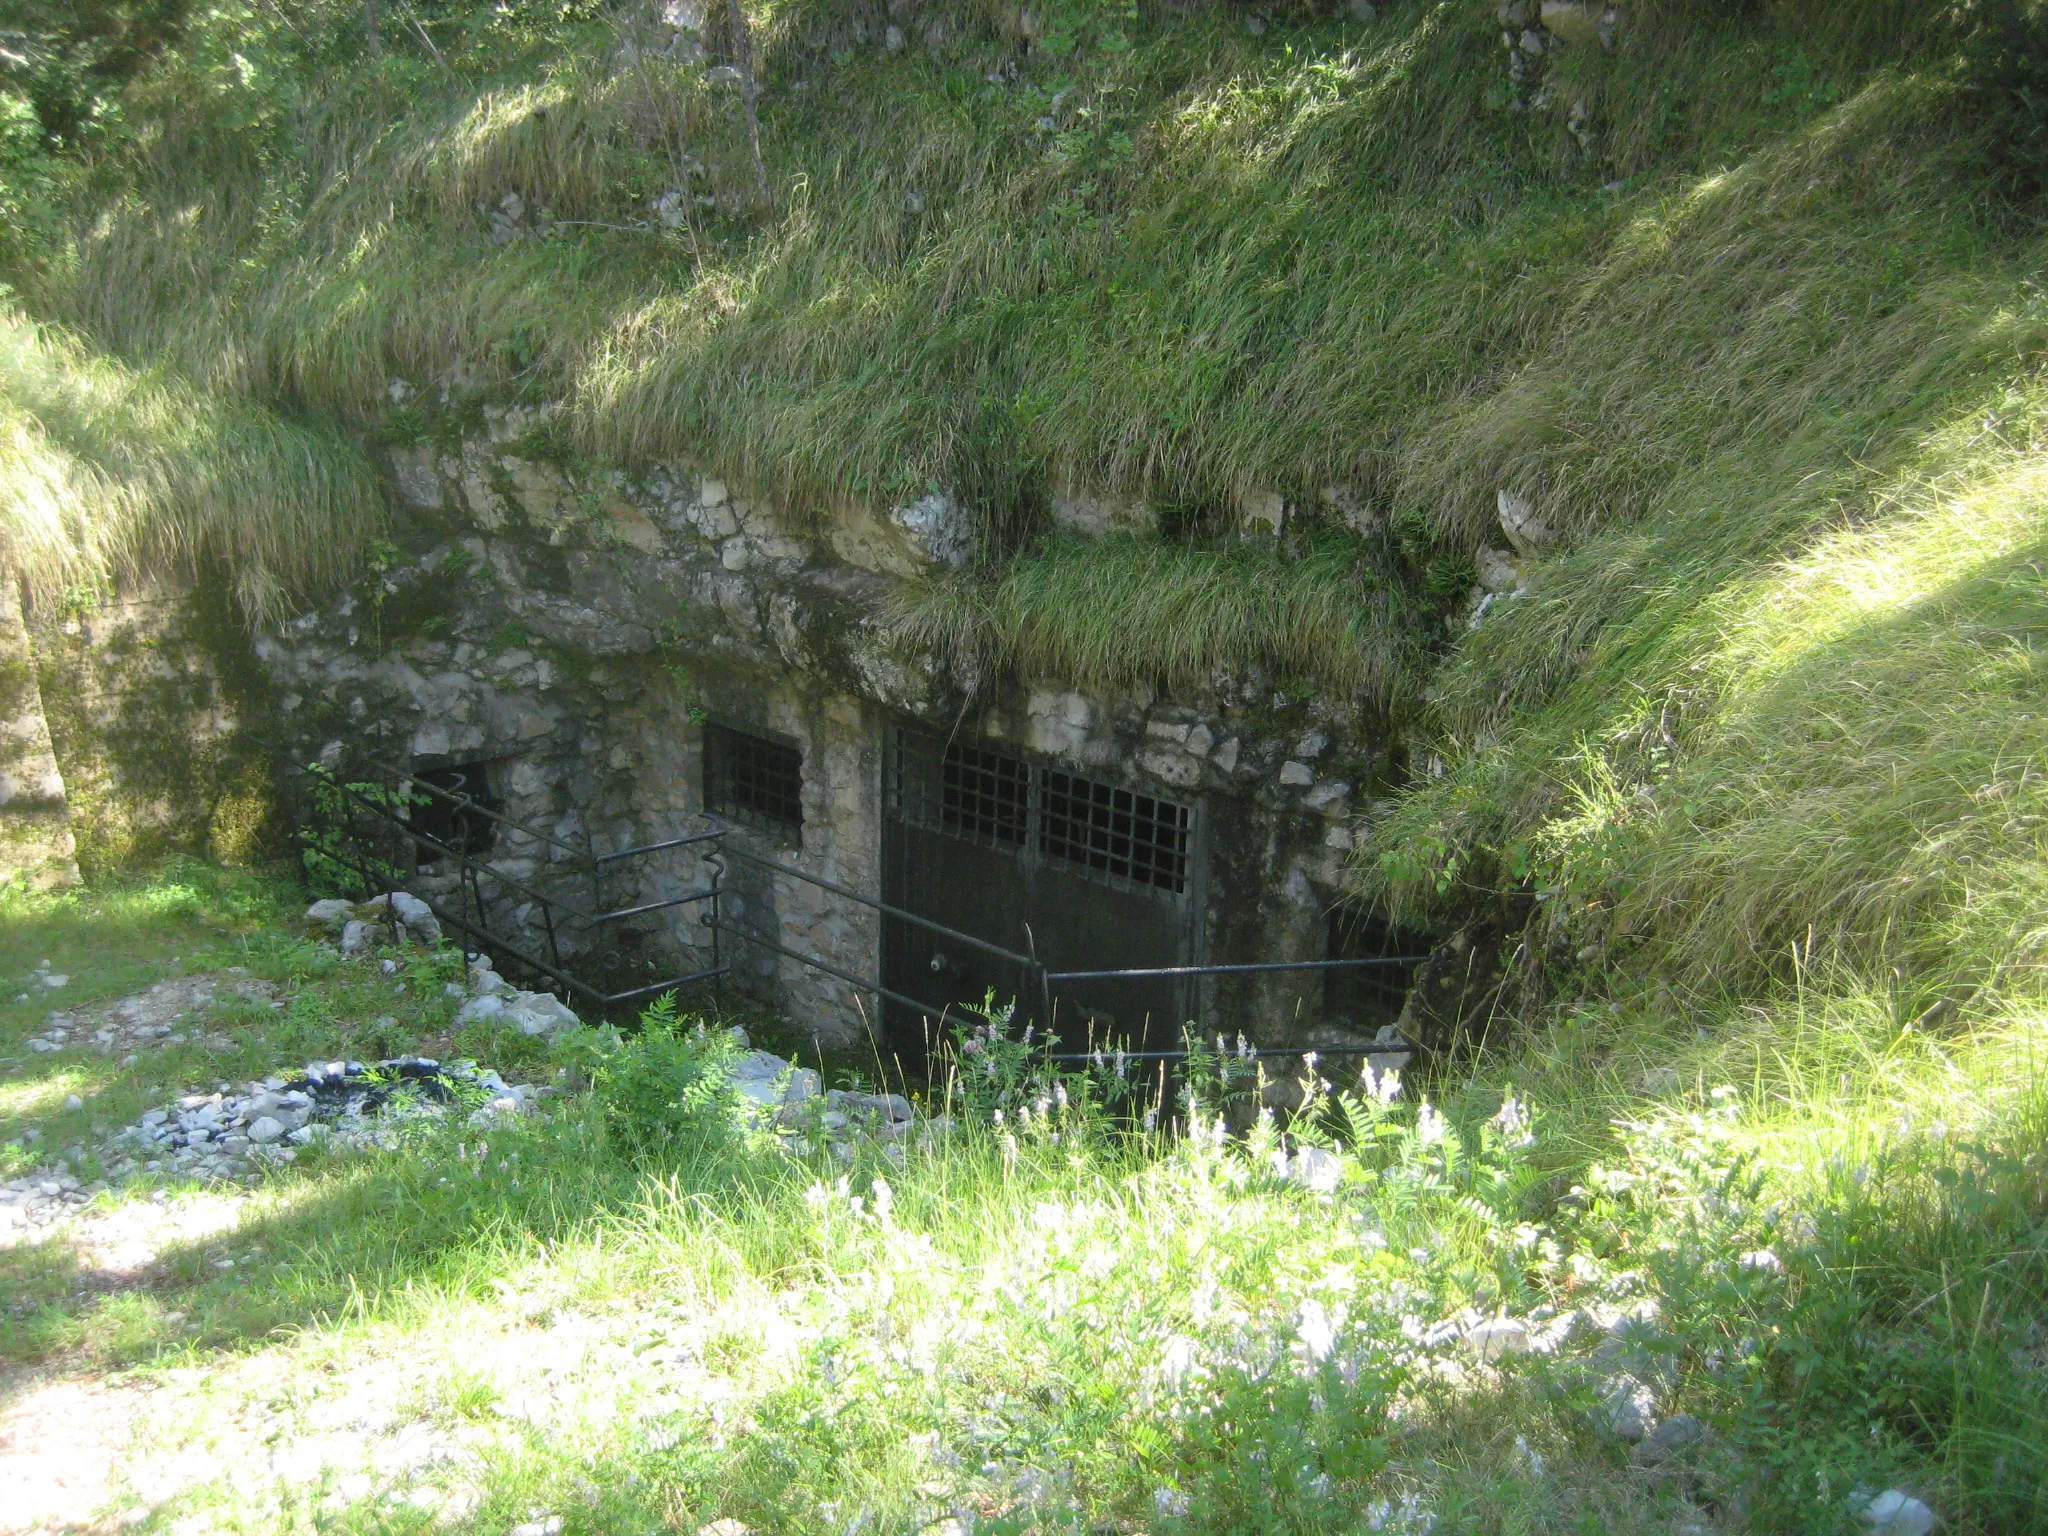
(1078,899)
(1076,874)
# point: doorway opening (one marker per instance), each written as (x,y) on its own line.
(1367,998)
(1076,872)
(454,814)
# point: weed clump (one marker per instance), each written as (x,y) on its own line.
(663,1090)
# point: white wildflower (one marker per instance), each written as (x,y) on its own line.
(1429,1125)
(1513,1122)
(1178,1360)
(1170,1502)
(1405,1515)
(1317,1332)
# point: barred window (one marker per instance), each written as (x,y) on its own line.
(754,778)
(989,797)
(1116,831)
(984,794)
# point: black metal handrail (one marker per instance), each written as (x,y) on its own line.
(471,872)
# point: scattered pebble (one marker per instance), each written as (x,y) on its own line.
(1497,1337)
(1895,1513)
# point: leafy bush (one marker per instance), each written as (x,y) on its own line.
(664,1090)
(2003,68)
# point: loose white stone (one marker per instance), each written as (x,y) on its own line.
(537,1013)
(478,1009)
(1496,1338)
(266,1130)
(329,913)
(1894,1513)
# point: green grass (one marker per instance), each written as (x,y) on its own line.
(107,472)
(1060,1322)
(1111,613)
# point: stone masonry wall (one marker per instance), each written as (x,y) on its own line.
(561,633)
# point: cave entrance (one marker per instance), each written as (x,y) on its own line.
(1367,994)
(1078,873)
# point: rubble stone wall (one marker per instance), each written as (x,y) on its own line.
(562,633)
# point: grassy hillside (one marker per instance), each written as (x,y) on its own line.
(1746,309)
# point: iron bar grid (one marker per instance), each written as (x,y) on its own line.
(1114,831)
(752,776)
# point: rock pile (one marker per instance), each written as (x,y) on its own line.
(809,1117)
(361,926)
(41,1199)
(344,1103)
(493,999)
(401,918)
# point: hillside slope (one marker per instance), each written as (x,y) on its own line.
(1709,351)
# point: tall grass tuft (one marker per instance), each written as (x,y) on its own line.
(1112,612)
(106,471)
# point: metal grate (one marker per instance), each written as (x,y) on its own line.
(1114,831)
(984,795)
(753,777)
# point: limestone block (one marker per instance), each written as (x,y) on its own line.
(1572,20)
(938,528)
(1261,511)
(632,527)
(418,477)
(1082,510)
(1499,571)
(486,507)
(1064,705)
(871,543)
(1330,797)
(1170,765)
(542,491)
(716,519)
(1352,509)
(1519,520)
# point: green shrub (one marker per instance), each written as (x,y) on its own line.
(2003,68)
(664,1091)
